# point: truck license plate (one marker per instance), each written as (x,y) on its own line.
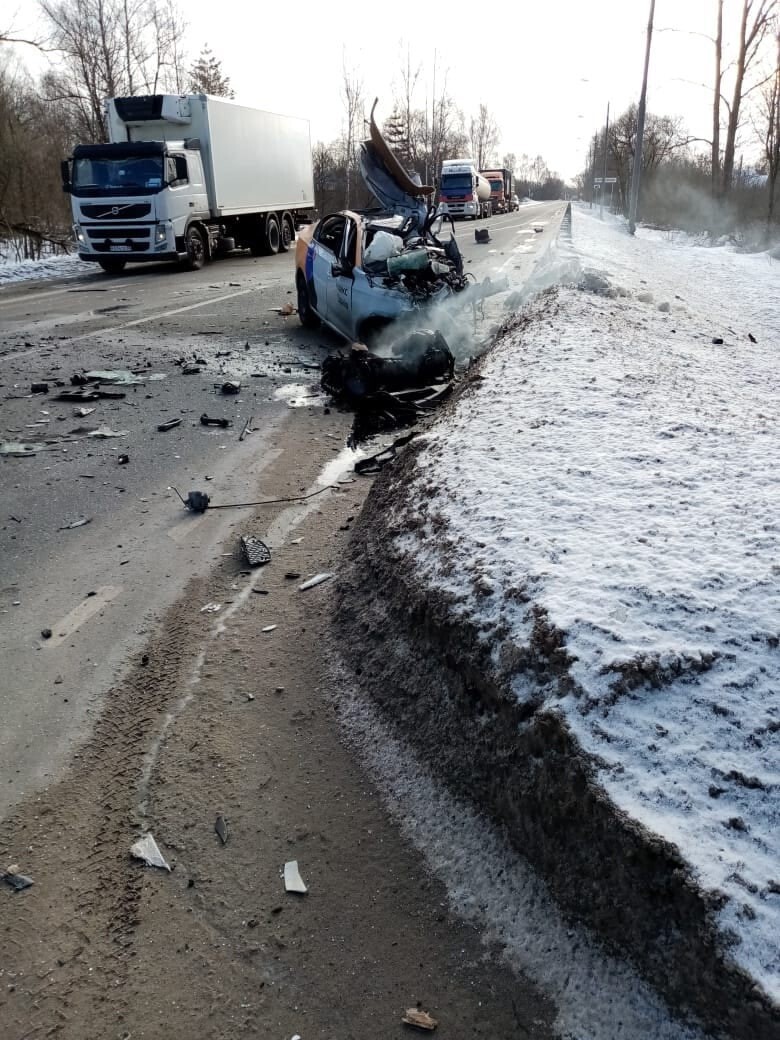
(120,249)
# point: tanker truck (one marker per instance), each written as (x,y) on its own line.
(463,191)
(188,178)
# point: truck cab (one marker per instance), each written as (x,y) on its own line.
(463,192)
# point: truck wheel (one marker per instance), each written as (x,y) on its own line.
(308,318)
(196,250)
(113,266)
(288,233)
(273,236)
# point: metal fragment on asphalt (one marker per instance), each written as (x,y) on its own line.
(256,551)
(18,882)
(269,628)
(211,608)
(318,579)
(293,882)
(221,827)
(146,849)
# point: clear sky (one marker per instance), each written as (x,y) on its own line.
(546,70)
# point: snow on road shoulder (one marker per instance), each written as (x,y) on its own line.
(69,266)
(621,466)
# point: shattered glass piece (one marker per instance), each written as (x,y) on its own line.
(146,849)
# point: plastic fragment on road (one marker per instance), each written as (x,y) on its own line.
(162,427)
(39,388)
(82,413)
(318,579)
(77,523)
(268,628)
(211,608)
(419,1019)
(146,849)
(122,376)
(231,386)
(221,828)
(207,420)
(18,882)
(104,432)
(481,236)
(293,882)
(19,448)
(256,551)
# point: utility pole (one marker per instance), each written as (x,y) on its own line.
(636,173)
(604,177)
(592,168)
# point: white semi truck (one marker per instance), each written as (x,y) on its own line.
(187,177)
(463,191)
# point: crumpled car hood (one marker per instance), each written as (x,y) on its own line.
(387,180)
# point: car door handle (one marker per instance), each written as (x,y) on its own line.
(192,205)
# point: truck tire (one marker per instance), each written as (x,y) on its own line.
(307,316)
(288,233)
(112,266)
(196,250)
(273,236)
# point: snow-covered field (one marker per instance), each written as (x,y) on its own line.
(621,467)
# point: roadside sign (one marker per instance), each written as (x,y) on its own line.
(605,180)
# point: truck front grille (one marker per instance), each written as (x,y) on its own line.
(129,211)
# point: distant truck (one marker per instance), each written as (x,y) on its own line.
(186,178)
(463,191)
(501,189)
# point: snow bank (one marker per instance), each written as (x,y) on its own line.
(613,477)
(68,266)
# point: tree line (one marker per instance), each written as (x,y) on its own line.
(104,48)
(710,189)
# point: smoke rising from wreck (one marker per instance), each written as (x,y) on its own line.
(469,320)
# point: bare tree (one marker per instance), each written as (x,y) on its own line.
(354,110)
(754,22)
(770,138)
(484,137)
(509,162)
(716,99)
(110,48)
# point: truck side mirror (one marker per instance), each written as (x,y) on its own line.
(65,174)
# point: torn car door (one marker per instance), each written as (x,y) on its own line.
(326,254)
(341,282)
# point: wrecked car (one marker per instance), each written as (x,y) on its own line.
(358,271)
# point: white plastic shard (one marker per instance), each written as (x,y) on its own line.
(147,850)
(293,882)
(316,580)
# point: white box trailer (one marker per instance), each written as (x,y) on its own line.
(187,177)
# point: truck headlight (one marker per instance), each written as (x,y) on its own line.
(160,234)
(79,235)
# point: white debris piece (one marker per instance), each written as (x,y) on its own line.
(147,850)
(293,882)
(211,608)
(318,579)
(269,628)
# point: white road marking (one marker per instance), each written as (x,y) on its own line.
(163,314)
(81,613)
(33,296)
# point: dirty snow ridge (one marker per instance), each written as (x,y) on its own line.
(619,461)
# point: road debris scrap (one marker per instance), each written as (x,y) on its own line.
(105,432)
(256,552)
(147,850)
(318,579)
(231,386)
(419,1019)
(221,829)
(293,882)
(19,448)
(169,425)
(211,608)
(18,882)
(374,463)
(77,523)
(207,420)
